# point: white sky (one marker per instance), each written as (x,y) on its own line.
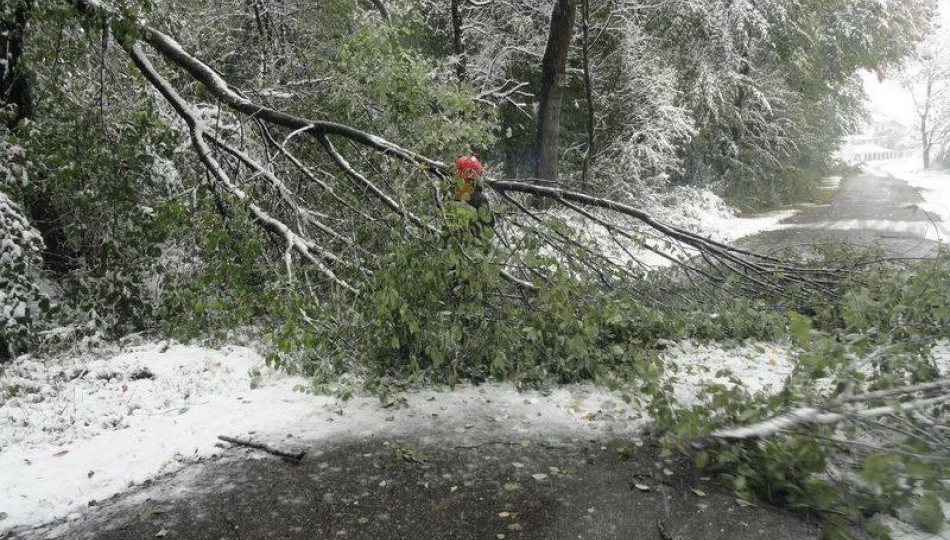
(888,97)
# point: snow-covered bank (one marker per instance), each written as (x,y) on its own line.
(82,429)
(701,211)
(697,210)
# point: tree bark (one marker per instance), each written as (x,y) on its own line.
(926,139)
(381,8)
(553,81)
(588,91)
(457,47)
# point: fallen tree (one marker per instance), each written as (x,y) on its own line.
(310,234)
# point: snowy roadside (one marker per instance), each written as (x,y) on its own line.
(694,209)
(75,432)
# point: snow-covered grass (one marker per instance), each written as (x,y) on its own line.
(78,430)
(761,367)
(82,429)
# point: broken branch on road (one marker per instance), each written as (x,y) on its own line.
(295,457)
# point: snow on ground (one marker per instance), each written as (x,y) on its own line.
(702,211)
(762,368)
(83,429)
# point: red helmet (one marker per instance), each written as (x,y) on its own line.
(468,167)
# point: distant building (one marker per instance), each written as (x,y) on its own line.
(882,138)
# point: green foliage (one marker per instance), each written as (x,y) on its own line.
(224,281)
(401,452)
(893,316)
(771,87)
(754,98)
(100,182)
(22,305)
(387,87)
(434,307)
(928,515)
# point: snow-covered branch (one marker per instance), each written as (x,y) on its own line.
(198,132)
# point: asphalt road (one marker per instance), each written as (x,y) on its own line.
(495,490)
(867,211)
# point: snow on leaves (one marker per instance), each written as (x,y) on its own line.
(20,246)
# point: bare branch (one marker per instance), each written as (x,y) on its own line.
(815,417)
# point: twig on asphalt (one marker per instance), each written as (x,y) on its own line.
(294,457)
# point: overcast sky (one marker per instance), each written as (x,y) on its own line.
(888,97)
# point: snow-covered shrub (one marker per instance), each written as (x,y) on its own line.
(21,302)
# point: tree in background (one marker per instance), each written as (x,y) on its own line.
(929,85)
(771,85)
(551,87)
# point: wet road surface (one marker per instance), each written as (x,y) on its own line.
(867,211)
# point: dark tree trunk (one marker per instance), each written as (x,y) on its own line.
(744,69)
(926,144)
(14,91)
(381,8)
(588,91)
(14,83)
(457,47)
(553,80)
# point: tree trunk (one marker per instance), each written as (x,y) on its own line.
(14,90)
(553,80)
(457,48)
(926,139)
(14,83)
(381,8)
(588,91)
(925,144)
